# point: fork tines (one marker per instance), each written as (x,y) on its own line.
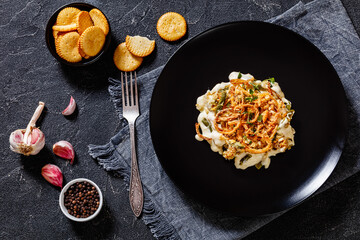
(133,101)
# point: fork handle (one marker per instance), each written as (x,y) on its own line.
(136,191)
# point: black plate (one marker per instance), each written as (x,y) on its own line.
(265,50)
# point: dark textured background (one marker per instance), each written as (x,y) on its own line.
(29,205)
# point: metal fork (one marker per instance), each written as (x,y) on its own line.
(131,112)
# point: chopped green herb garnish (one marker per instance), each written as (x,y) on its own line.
(272,80)
(207,124)
(251,91)
(258,165)
(250,99)
(240,75)
(238,145)
(245,158)
(274,137)
(251,115)
(222,98)
(221,101)
(256,87)
(260,118)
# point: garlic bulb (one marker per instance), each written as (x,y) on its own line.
(31,140)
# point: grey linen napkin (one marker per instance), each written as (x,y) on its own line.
(168,212)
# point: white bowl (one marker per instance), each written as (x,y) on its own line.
(64,209)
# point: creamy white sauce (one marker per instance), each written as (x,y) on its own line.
(235,75)
(217,141)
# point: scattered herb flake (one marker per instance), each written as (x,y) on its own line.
(272,80)
(245,158)
(250,99)
(258,165)
(221,101)
(207,124)
(256,87)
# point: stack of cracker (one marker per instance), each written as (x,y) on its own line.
(79,34)
(129,55)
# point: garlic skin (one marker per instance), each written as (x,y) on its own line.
(70,108)
(31,140)
(64,149)
(52,174)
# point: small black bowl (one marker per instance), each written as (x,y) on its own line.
(50,41)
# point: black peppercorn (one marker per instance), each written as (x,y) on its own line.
(84,202)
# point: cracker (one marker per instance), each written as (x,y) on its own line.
(57,43)
(82,52)
(99,20)
(124,60)
(83,21)
(64,28)
(140,46)
(67,16)
(58,34)
(171,26)
(55,33)
(92,40)
(67,47)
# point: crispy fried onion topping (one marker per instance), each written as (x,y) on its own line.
(249,115)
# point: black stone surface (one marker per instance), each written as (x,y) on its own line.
(29,205)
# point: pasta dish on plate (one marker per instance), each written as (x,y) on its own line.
(245,119)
